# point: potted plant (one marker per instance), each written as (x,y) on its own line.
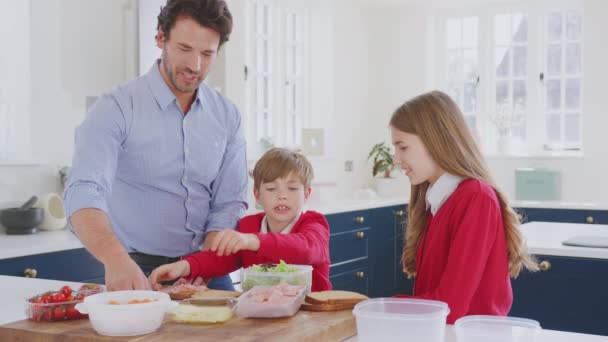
(382,159)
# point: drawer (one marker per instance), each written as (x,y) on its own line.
(71,265)
(349,245)
(344,222)
(352,277)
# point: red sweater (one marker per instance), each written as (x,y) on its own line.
(462,260)
(306,244)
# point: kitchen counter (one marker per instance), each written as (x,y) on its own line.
(546,238)
(13,290)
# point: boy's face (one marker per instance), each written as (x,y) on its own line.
(413,157)
(282,199)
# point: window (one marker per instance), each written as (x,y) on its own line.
(277,64)
(516,74)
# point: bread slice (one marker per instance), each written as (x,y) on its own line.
(186,313)
(216,294)
(335,297)
(326,307)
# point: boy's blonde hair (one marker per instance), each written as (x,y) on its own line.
(280,162)
(436,119)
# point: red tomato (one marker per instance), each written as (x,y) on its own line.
(47,315)
(37,312)
(69,298)
(58,297)
(66,290)
(72,313)
(46,298)
(58,313)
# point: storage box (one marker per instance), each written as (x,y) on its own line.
(247,306)
(537,185)
(481,328)
(399,319)
(251,278)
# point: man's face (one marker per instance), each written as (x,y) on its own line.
(187,54)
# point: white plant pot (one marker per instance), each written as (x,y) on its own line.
(392,187)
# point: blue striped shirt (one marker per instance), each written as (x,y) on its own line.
(164,179)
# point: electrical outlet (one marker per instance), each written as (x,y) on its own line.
(348,166)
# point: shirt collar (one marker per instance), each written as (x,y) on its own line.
(162,93)
(264,227)
(439,192)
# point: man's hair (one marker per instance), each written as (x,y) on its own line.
(279,163)
(213,14)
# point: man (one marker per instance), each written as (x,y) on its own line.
(159,163)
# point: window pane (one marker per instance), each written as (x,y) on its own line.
(502,29)
(294,96)
(553,94)
(520,60)
(453,35)
(502,92)
(471,120)
(470,98)
(573,93)
(259,89)
(520,95)
(469,32)
(266,91)
(554,26)
(519,130)
(554,60)
(266,20)
(455,92)
(554,128)
(573,25)
(520,28)
(572,128)
(454,65)
(469,64)
(502,62)
(573,58)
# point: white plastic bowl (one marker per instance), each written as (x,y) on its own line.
(496,329)
(126,319)
(401,319)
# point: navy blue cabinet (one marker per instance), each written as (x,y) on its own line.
(569,294)
(365,250)
(70,265)
(563,215)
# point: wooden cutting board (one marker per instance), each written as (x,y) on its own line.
(304,326)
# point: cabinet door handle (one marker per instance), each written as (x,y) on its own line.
(400,213)
(359,219)
(360,235)
(30,273)
(590,219)
(544,265)
(360,274)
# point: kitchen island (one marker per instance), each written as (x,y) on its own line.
(13,290)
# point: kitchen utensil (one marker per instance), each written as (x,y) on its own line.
(22,220)
(54,212)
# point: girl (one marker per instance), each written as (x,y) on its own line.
(462,238)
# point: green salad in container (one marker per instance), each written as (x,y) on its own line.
(273,274)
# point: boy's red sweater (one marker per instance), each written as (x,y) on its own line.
(306,244)
(462,256)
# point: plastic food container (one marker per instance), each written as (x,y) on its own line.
(126,319)
(60,311)
(401,319)
(248,308)
(496,329)
(251,278)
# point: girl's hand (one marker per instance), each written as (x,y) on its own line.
(229,241)
(168,272)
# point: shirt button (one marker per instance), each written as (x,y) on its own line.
(185,178)
(187,150)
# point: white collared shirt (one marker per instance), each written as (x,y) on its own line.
(264,228)
(439,192)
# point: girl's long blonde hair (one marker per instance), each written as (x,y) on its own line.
(436,119)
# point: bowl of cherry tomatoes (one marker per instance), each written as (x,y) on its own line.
(52,306)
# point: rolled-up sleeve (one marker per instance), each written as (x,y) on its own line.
(229,189)
(98,141)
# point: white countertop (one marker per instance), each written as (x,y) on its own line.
(14,290)
(12,246)
(546,238)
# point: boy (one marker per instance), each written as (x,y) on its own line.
(283,231)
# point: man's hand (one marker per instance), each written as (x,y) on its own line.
(230,241)
(124,274)
(168,272)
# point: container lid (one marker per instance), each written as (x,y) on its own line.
(401,308)
(483,321)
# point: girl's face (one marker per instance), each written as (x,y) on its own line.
(413,157)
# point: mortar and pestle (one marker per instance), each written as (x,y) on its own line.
(23,220)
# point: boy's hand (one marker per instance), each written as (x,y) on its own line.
(229,241)
(168,272)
